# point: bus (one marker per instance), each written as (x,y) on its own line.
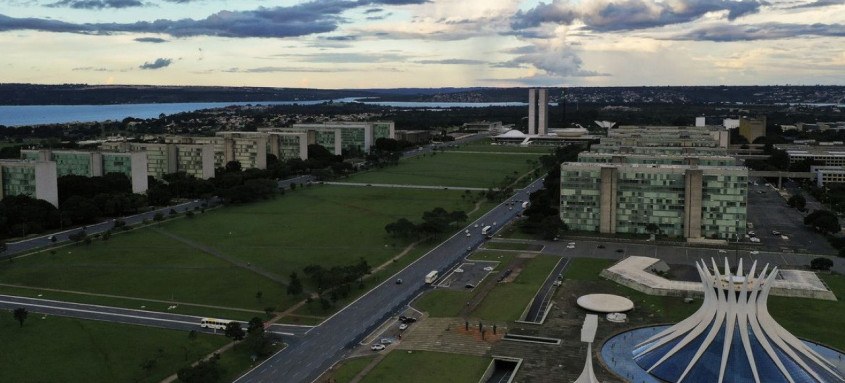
(431,277)
(217,324)
(486,230)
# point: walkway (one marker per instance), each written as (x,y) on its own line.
(429,187)
(212,251)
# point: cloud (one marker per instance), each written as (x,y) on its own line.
(157,64)
(452,62)
(96,4)
(764,31)
(555,61)
(345,58)
(297,20)
(621,15)
(817,4)
(150,40)
(90,69)
(373,10)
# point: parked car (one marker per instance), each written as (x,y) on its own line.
(386,341)
(403,326)
(377,347)
(398,281)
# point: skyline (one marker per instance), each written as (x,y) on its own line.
(423,43)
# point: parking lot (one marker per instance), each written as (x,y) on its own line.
(467,275)
(768,213)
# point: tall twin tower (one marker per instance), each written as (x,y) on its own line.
(538,112)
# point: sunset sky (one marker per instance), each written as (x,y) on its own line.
(423,43)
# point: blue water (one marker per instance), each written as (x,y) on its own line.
(18,115)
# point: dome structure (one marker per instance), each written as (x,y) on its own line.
(733,338)
(513,133)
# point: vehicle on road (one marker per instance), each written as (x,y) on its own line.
(722,251)
(754,239)
(403,326)
(755,252)
(405,319)
(525,204)
(386,341)
(398,281)
(431,277)
(600,246)
(377,347)
(775,232)
(486,230)
(217,324)
(469,235)
(557,283)
(570,246)
(469,286)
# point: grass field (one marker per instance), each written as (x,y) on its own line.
(69,350)
(349,368)
(426,367)
(451,169)
(146,264)
(485,146)
(334,225)
(505,302)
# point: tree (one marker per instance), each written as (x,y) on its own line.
(20,314)
(234,331)
(206,371)
(295,285)
(797,201)
(258,295)
(551,227)
(233,167)
(821,263)
(255,324)
(824,221)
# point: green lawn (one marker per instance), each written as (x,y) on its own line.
(451,169)
(485,146)
(812,318)
(68,350)
(145,264)
(513,246)
(507,301)
(349,368)
(586,269)
(326,225)
(427,367)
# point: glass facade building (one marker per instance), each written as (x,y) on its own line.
(33,178)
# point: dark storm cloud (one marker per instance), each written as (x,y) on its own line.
(765,31)
(157,64)
(150,40)
(297,20)
(96,4)
(630,14)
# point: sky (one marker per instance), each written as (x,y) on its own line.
(423,43)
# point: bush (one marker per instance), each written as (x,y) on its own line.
(158,217)
(821,263)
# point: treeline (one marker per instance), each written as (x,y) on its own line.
(543,213)
(434,222)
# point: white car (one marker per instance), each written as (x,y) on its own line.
(755,239)
(469,235)
(386,341)
(570,246)
(403,326)
(755,252)
(377,347)
(571,243)
(722,251)
(488,268)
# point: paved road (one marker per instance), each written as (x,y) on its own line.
(431,147)
(15,248)
(127,316)
(285,184)
(405,186)
(326,344)
(544,294)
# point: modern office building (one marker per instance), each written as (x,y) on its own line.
(828,175)
(33,178)
(686,201)
(821,155)
(193,159)
(340,136)
(657,159)
(414,136)
(95,164)
(247,148)
(752,127)
(483,126)
(538,114)
(675,181)
(733,337)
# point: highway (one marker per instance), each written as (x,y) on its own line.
(127,316)
(327,343)
(20,247)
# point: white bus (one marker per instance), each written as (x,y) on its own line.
(486,230)
(217,324)
(431,277)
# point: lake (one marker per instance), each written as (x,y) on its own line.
(18,115)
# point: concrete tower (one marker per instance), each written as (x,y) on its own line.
(543,112)
(532,112)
